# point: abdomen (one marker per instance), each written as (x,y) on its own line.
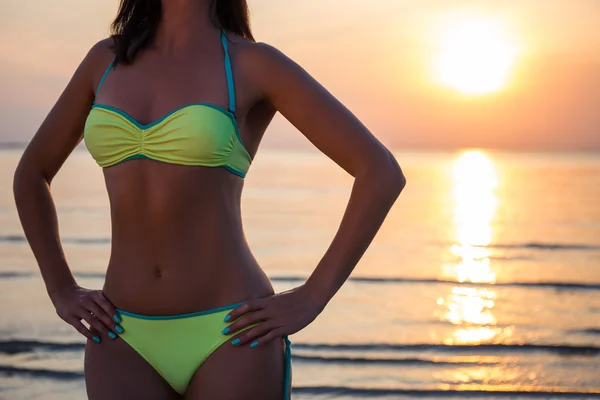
(177,239)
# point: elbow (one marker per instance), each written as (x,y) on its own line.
(395,178)
(25,175)
(19,183)
(387,175)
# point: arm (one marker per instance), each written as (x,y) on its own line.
(335,131)
(56,138)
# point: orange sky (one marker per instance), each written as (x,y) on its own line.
(377,57)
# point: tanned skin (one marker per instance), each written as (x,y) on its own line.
(177,238)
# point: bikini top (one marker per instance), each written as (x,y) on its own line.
(197,134)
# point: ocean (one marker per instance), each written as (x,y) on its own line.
(483,282)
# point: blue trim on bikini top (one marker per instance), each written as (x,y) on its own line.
(147,126)
(228,70)
(178,316)
(143,156)
(230,113)
(110,66)
(139,125)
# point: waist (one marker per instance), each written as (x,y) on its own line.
(162,287)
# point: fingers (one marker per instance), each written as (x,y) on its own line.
(249,306)
(255,321)
(106,312)
(97,319)
(274,334)
(251,334)
(107,306)
(260,334)
(96,310)
(75,304)
(80,327)
(245,321)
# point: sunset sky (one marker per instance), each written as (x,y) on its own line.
(420,73)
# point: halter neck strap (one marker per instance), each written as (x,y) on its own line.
(229,72)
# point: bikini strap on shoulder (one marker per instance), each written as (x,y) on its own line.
(229,72)
(110,66)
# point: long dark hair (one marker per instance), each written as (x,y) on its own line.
(137,22)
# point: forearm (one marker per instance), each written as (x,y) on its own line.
(40,224)
(374,192)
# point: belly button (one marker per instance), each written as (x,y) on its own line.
(158,272)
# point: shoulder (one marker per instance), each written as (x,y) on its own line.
(97,59)
(103,48)
(101,53)
(258,54)
(263,63)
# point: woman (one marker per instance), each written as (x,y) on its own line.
(173,107)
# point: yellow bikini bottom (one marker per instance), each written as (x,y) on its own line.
(177,345)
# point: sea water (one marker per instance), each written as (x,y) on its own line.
(483,282)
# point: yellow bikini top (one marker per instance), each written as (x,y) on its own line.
(199,134)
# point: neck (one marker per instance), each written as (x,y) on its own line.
(182,21)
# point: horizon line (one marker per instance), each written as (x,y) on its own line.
(12,145)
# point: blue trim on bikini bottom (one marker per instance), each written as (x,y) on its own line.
(234,171)
(288,369)
(288,344)
(179,316)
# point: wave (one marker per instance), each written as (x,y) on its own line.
(385,361)
(12,145)
(14,274)
(504,258)
(12,239)
(588,331)
(67,240)
(21,346)
(471,349)
(366,279)
(545,246)
(40,373)
(421,393)
(552,285)
(24,275)
(526,245)
(348,391)
(25,346)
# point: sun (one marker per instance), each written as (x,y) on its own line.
(476,57)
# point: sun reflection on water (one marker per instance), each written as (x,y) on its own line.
(470,308)
(470,305)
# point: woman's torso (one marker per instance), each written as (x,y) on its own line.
(177,237)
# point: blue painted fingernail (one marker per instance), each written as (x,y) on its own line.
(227,318)
(111,335)
(236,342)
(254,344)
(117,318)
(226,331)
(96,339)
(119,328)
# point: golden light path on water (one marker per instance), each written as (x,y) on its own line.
(475,203)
